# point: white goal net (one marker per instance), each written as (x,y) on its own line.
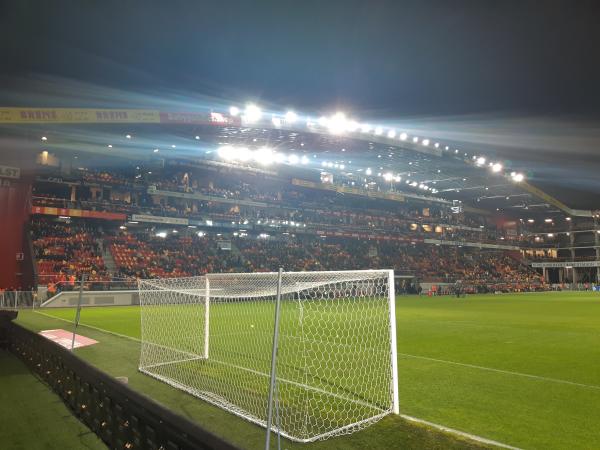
(212,336)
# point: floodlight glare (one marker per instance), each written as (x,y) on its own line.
(368,171)
(234,111)
(388,176)
(365,128)
(518,177)
(291,117)
(304,159)
(425,142)
(403,136)
(415,139)
(496,167)
(480,161)
(391,134)
(338,123)
(226,152)
(378,131)
(252,113)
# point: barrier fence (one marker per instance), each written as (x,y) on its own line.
(120,416)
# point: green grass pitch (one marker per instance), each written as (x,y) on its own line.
(520,369)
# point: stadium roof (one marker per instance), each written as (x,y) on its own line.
(364,155)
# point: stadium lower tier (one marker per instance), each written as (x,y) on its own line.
(105,253)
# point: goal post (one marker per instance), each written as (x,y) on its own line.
(336,368)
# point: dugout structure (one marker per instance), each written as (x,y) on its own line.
(336,368)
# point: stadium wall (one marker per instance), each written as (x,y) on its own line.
(15,200)
(67,299)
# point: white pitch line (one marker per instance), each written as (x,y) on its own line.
(472,437)
(89,326)
(506,372)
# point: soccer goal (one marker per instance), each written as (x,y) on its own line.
(336,367)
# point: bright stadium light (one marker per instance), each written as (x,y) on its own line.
(279,157)
(368,171)
(388,176)
(391,134)
(403,136)
(337,123)
(416,139)
(293,159)
(226,152)
(378,131)
(234,111)
(276,121)
(264,156)
(548,220)
(128,136)
(155,150)
(44,138)
(291,117)
(568,219)
(252,113)
(304,159)
(530,220)
(425,142)
(496,167)
(243,154)
(365,128)
(518,177)
(436,145)
(161,234)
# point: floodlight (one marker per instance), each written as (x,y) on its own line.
(518,177)
(293,159)
(378,131)
(291,117)
(368,171)
(425,142)
(403,136)
(264,156)
(338,123)
(304,159)
(480,161)
(226,152)
(391,134)
(252,113)
(234,111)
(496,167)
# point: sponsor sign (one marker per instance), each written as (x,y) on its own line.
(10,172)
(51,211)
(159,219)
(77,115)
(566,264)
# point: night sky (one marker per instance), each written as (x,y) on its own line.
(449,67)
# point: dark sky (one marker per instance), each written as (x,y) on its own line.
(404,57)
(450,62)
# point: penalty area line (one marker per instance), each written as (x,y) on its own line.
(506,372)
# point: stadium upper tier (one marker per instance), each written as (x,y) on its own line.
(343,151)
